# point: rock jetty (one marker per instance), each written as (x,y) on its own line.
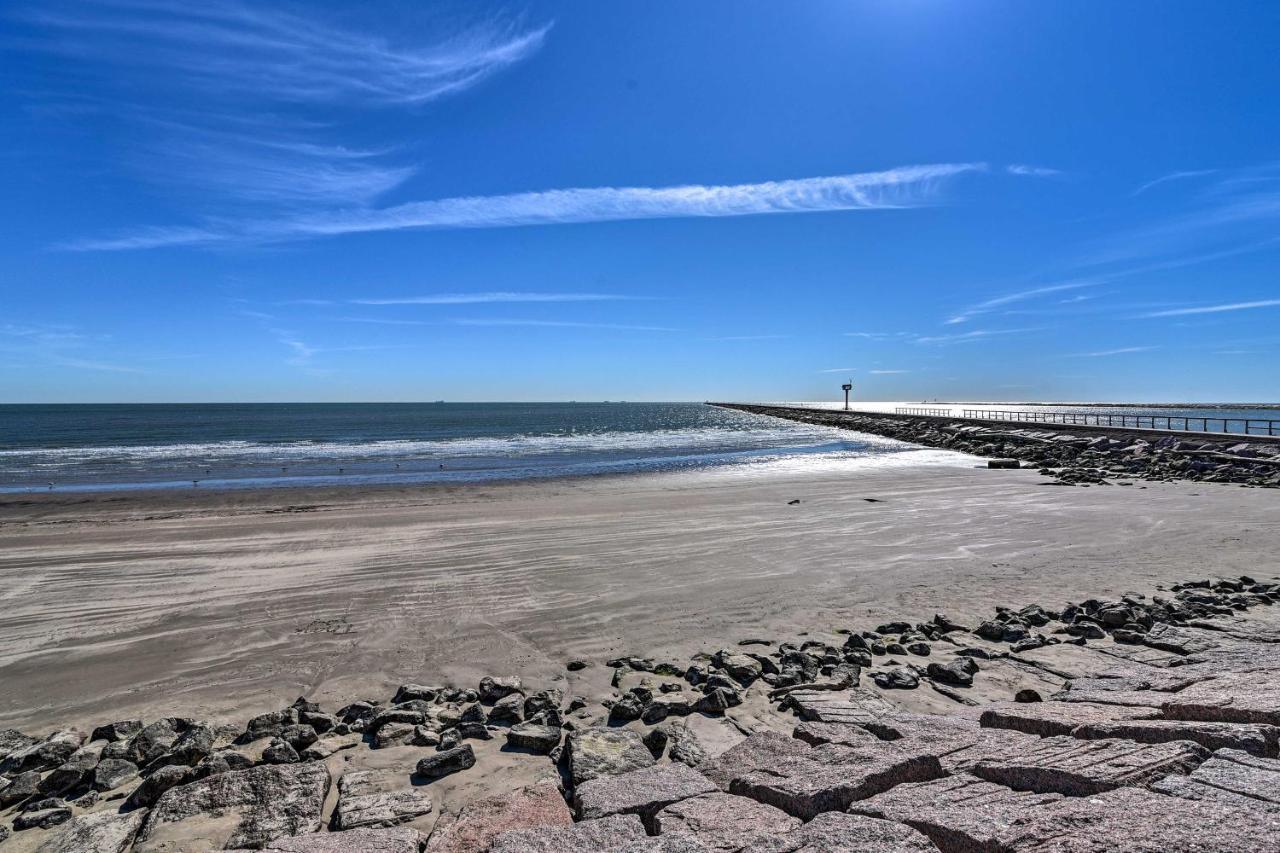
(1137,723)
(1074,456)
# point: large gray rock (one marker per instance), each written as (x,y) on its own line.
(19,788)
(43,754)
(154,786)
(833,832)
(111,773)
(723,821)
(1233,698)
(1230,776)
(607,835)
(446,761)
(12,740)
(241,808)
(804,781)
(371,798)
(1258,740)
(1080,768)
(479,822)
(1047,719)
(99,832)
(959,812)
(535,737)
(600,751)
(640,792)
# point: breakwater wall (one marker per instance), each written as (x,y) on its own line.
(1071,453)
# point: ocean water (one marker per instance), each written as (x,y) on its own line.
(118,447)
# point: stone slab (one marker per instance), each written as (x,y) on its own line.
(240,808)
(858,705)
(608,835)
(1081,768)
(1255,739)
(641,792)
(473,829)
(723,821)
(1230,776)
(1047,719)
(833,832)
(805,781)
(1232,698)
(601,751)
(100,832)
(1133,820)
(959,812)
(400,839)
(373,798)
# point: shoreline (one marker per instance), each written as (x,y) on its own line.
(105,595)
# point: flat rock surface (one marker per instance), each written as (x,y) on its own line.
(1233,698)
(640,792)
(374,798)
(607,835)
(100,832)
(805,781)
(1083,767)
(1132,820)
(959,812)
(479,822)
(1258,740)
(400,839)
(1046,719)
(724,822)
(239,808)
(602,751)
(833,832)
(1235,774)
(858,705)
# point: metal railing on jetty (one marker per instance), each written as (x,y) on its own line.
(1237,426)
(931,413)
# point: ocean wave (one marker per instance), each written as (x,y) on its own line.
(694,440)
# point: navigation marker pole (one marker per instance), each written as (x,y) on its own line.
(848,386)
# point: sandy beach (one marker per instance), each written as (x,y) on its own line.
(222,605)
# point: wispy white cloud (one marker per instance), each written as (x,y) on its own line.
(877,336)
(1032,171)
(265,52)
(750,338)
(562,324)
(216,103)
(839,370)
(1236,213)
(58,345)
(970,337)
(1174,176)
(905,187)
(491,297)
(1216,309)
(1107,352)
(1020,296)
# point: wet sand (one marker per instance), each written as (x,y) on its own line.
(223,605)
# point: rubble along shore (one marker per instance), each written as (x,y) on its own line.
(1139,723)
(1072,456)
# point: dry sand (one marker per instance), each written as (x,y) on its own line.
(223,605)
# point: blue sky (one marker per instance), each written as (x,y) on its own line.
(658,200)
